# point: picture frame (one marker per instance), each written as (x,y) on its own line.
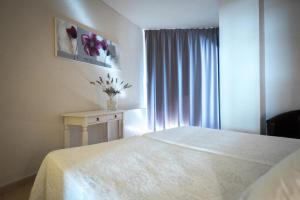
(74,42)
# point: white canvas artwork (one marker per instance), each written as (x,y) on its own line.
(76,43)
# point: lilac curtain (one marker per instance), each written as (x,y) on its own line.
(182,78)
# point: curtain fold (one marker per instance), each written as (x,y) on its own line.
(182,78)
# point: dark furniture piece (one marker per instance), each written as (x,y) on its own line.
(285,125)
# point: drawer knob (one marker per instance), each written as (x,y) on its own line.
(97,118)
(115,116)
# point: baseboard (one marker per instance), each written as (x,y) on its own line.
(12,186)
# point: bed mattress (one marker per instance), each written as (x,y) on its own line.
(183,163)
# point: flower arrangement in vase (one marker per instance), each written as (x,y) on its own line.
(112,87)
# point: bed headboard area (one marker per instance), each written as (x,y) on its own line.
(285,125)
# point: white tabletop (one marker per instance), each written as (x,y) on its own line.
(92,113)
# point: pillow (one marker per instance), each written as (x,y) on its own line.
(282,182)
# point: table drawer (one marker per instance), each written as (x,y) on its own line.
(104,118)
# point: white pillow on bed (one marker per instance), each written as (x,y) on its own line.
(282,182)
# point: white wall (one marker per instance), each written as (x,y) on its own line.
(282,45)
(135,122)
(240,65)
(36,87)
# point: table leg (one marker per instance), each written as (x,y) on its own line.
(120,127)
(107,131)
(85,136)
(67,136)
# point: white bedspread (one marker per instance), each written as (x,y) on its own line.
(179,164)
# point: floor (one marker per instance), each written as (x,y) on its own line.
(19,193)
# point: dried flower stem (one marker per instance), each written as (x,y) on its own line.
(111,86)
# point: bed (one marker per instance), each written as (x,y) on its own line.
(183,163)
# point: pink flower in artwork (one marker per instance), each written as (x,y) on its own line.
(91,44)
(72,32)
(104,45)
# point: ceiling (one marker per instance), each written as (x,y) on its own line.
(155,14)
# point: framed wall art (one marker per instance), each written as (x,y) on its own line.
(76,43)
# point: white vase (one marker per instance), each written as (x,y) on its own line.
(112,103)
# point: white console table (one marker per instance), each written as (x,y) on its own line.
(85,119)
